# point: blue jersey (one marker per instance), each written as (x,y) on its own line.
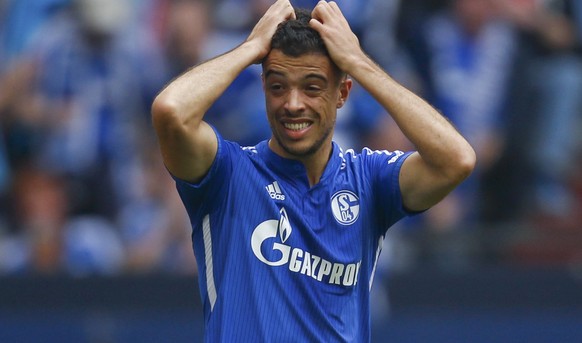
(280,261)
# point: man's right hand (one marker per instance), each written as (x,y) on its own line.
(264,30)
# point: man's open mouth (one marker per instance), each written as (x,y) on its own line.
(296,126)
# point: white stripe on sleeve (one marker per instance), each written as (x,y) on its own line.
(210,287)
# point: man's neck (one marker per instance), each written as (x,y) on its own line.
(314,163)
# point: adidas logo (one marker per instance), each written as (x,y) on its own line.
(274,191)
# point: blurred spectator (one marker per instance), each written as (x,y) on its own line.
(19,113)
(39,210)
(96,98)
(47,240)
(20,22)
(75,109)
(187,27)
(29,231)
(548,105)
(469,53)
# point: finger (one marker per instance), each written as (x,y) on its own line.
(282,8)
(321,11)
(288,8)
(334,6)
(316,25)
(292,15)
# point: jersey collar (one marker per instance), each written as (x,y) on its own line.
(294,169)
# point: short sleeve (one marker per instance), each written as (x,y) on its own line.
(196,195)
(384,172)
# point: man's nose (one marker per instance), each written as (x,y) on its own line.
(295,103)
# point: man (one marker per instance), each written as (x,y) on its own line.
(287,233)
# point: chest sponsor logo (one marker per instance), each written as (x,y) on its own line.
(271,235)
(345,206)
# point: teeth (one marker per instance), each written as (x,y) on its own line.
(295,126)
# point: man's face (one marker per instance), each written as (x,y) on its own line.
(302,97)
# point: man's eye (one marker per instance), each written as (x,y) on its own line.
(313,89)
(276,87)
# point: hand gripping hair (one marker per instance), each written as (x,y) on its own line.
(295,37)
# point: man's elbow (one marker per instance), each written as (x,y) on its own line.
(168,119)
(163,111)
(464,164)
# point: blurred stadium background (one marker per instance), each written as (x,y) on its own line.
(94,243)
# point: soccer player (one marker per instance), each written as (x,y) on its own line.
(287,233)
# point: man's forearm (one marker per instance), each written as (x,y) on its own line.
(189,96)
(433,136)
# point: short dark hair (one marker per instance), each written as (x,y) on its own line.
(295,37)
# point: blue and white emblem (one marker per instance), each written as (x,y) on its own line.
(345,206)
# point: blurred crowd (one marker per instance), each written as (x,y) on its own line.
(82,187)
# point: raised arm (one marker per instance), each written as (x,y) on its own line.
(443,158)
(187,143)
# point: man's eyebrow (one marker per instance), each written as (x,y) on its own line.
(317,76)
(273,72)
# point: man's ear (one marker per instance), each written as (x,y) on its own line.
(344,91)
